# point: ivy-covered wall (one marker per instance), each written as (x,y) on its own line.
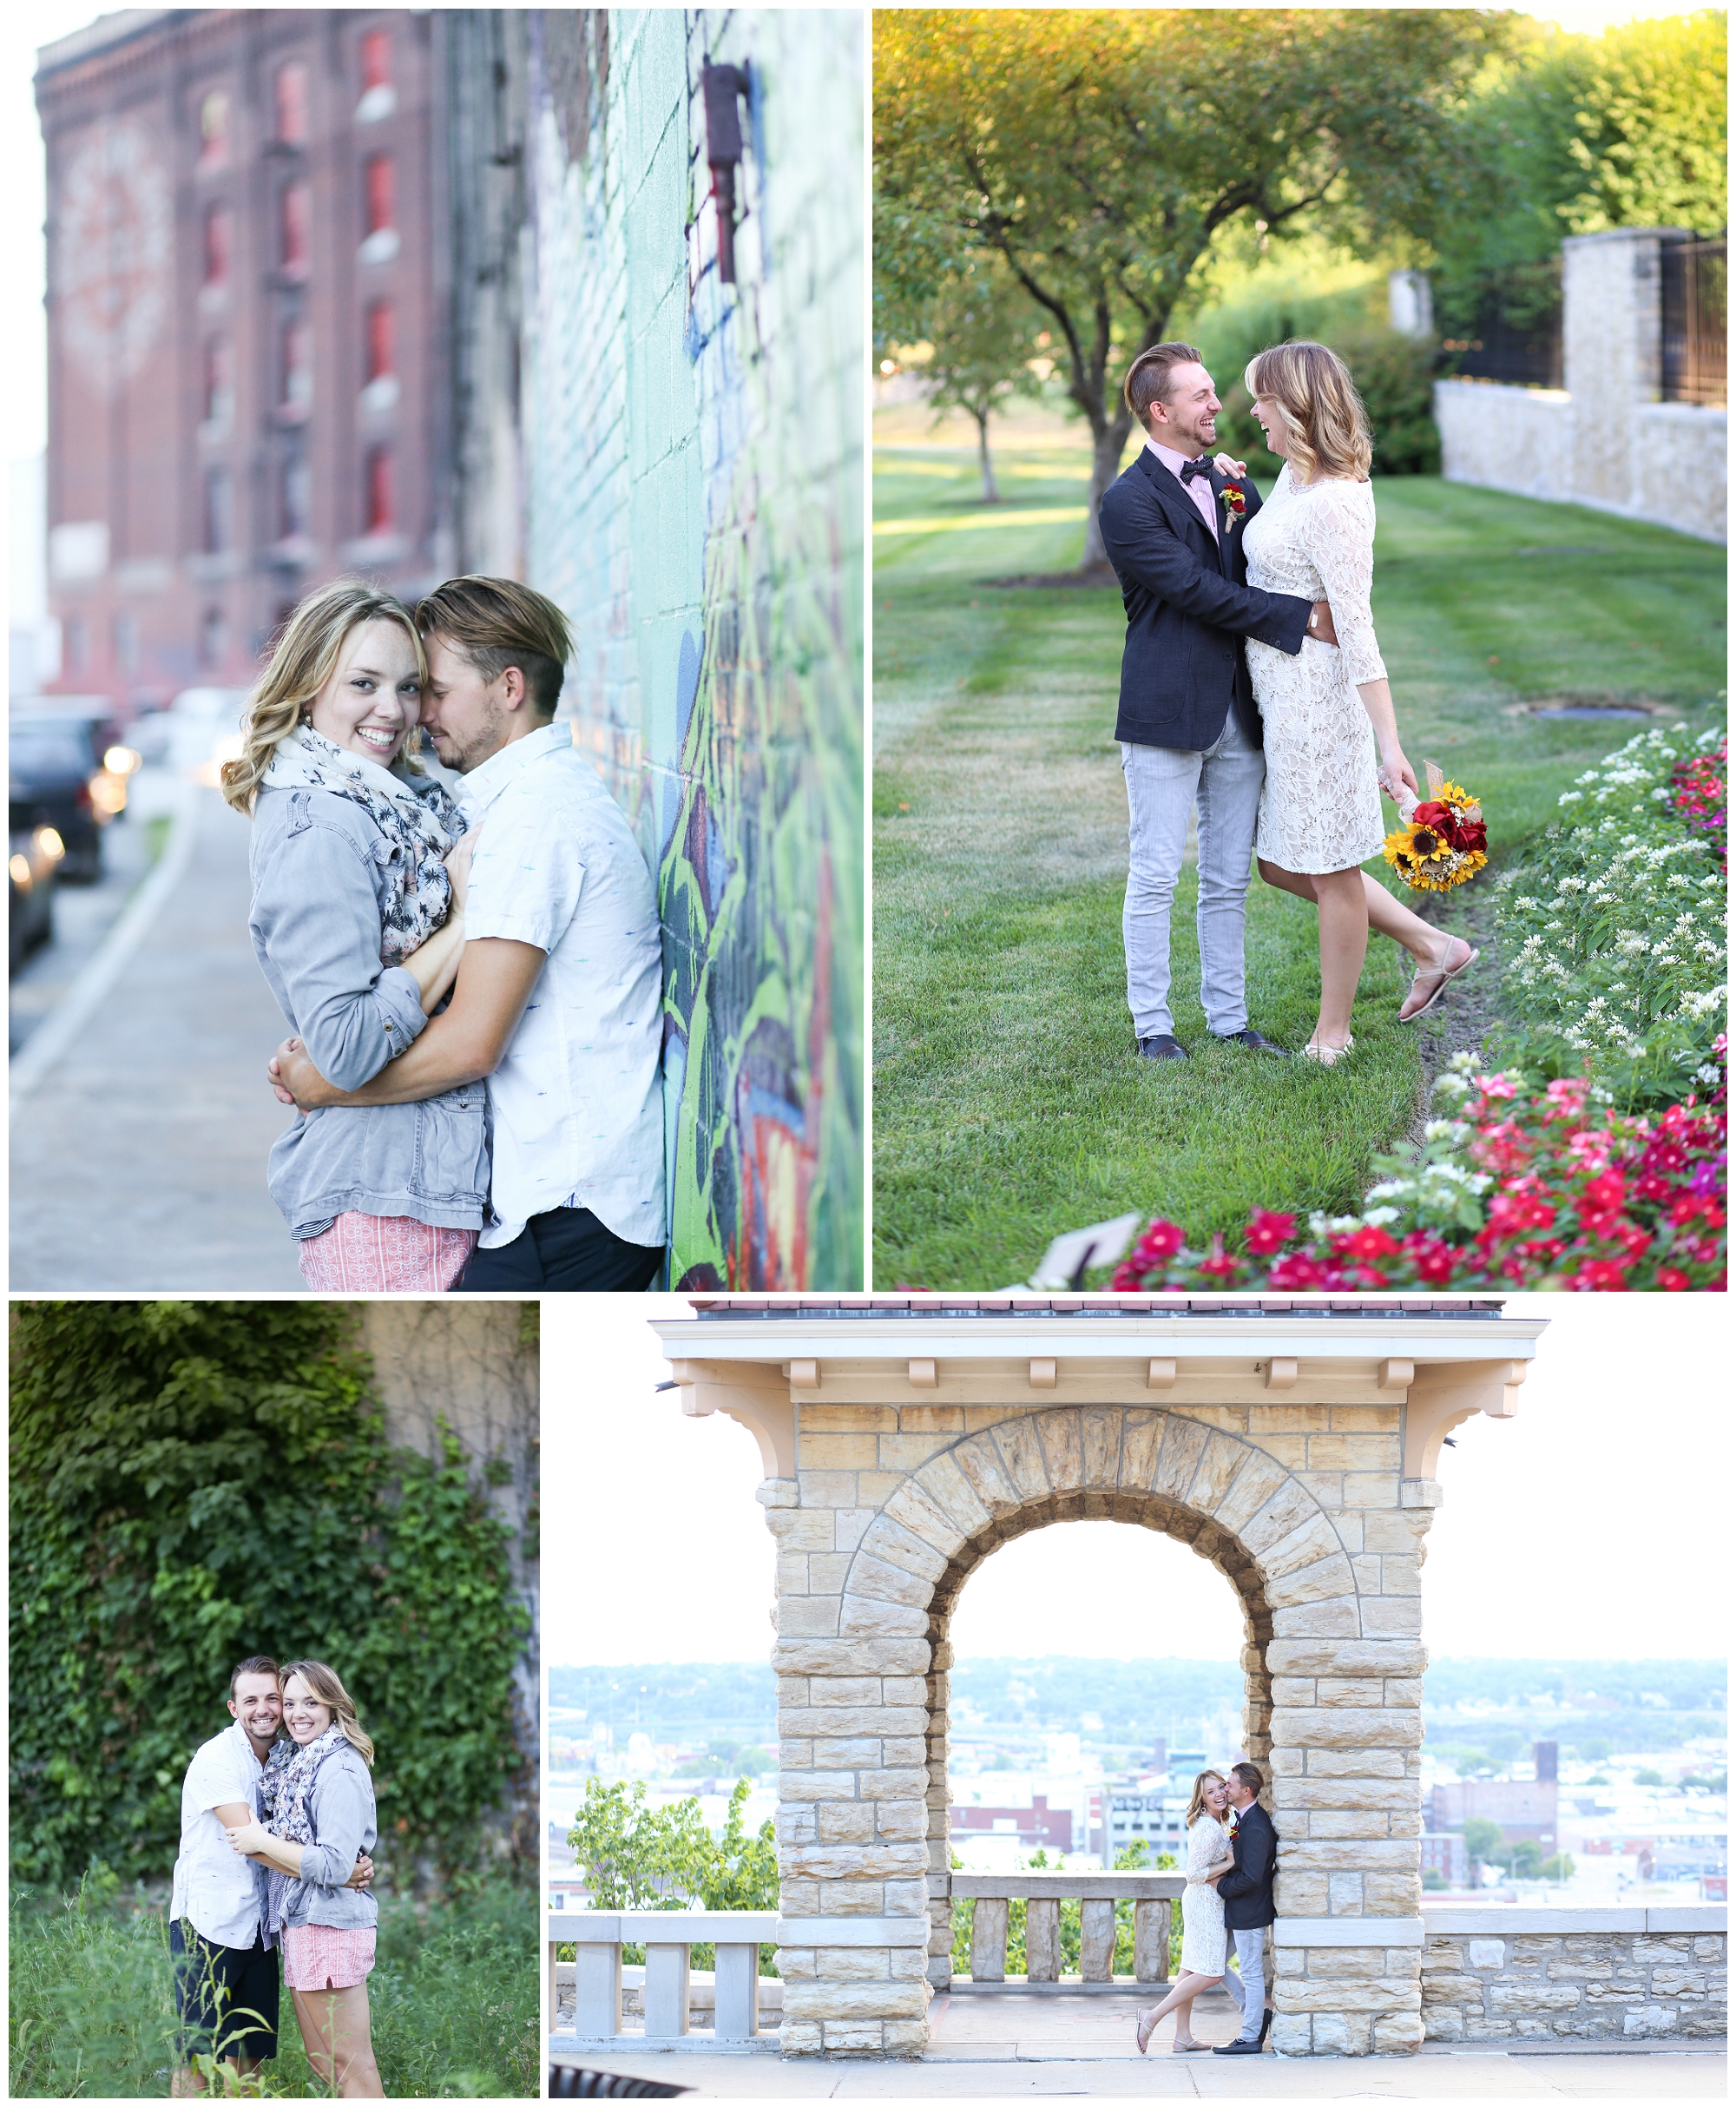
(691,462)
(192,1482)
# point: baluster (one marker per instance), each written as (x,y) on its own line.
(1097,1940)
(596,1990)
(1043,1940)
(738,1993)
(1151,1941)
(667,1967)
(988,1939)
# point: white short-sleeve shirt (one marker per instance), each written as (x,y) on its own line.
(577,1100)
(213,1884)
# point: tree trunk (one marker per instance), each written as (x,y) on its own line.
(990,494)
(1106,461)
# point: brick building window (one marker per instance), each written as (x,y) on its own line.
(220,225)
(213,131)
(380,345)
(219,512)
(379,511)
(219,381)
(290,99)
(297,507)
(295,229)
(380,191)
(298,364)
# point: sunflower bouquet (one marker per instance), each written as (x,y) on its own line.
(1441,839)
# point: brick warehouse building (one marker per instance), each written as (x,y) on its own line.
(245,341)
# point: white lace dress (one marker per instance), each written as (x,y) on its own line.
(1320,809)
(1204,1943)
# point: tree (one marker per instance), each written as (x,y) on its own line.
(1483,1844)
(978,326)
(1560,1868)
(1104,156)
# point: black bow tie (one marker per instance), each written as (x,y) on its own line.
(1200,467)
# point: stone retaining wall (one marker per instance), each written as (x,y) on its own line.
(1495,1974)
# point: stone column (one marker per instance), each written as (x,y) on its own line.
(1612,351)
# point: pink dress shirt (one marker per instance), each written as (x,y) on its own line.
(1198,488)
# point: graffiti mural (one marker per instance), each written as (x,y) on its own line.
(693,457)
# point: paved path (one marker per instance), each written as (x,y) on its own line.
(138,1161)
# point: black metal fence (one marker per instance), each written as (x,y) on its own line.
(1518,334)
(1695,295)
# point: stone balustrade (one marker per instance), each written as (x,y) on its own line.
(669,1937)
(1503,1974)
(1153,1895)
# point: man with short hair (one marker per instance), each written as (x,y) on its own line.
(1187,725)
(1246,1893)
(559,999)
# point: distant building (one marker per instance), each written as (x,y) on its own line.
(1038,1827)
(1524,1808)
(246,379)
(1445,1853)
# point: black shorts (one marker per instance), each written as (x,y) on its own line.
(225,1997)
(567,1248)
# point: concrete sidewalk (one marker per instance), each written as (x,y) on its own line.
(1037,2047)
(139,1158)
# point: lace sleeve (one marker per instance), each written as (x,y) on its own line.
(1336,525)
(1205,1845)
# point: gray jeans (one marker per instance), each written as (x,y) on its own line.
(1251,1958)
(1164,784)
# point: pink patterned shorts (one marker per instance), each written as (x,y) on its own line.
(383,1254)
(316,1957)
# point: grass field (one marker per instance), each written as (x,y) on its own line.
(454,1995)
(1008,1105)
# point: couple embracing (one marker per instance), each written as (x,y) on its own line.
(474,984)
(1232,1863)
(1252,689)
(273,1872)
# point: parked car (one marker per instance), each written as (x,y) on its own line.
(59,779)
(31,866)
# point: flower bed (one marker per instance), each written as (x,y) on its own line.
(1613,926)
(1521,1186)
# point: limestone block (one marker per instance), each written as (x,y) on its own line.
(1332,2034)
(896,1752)
(1379,1993)
(801,1899)
(1338,1618)
(1392,1794)
(1327,1488)
(827,1572)
(801,1529)
(848,1526)
(910,1507)
(828,1488)
(1394,1895)
(904,2038)
(808,1616)
(862,2040)
(1487,2030)
(1290,1451)
(980,1461)
(1344,1892)
(886,1539)
(835,1720)
(1383,1657)
(1312,1540)
(1141,1438)
(1443,1953)
(904,1898)
(1397,2034)
(953,1494)
(1350,1528)
(1290,1508)
(1100,1431)
(909,1450)
(854,1861)
(1303,1894)
(1349,1726)
(1342,1691)
(1292,1690)
(867,1616)
(836,1452)
(1369,1489)
(1387,1763)
(901,1784)
(1058,1435)
(1290,1960)
(1021,1453)
(1353,1452)
(796,1964)
(797,1821)
(900,1821)
(1097,1940)
(1678,1983)
(1404,1822)
(1508,1999)
(796,1785)
(1649,2020)
(1365,1418)
(877,1577)
(1487,1953)
(1650,1949)
(1367,1570)
(1347,1822)
(844,1752)
(1326,1580)
(1223,1458)
(1354,1964)
(837,1693)
(772,1492)
(800,2039)
(795,1755)
(1395,1614)
(1259,1477)
(1443,2023)
(1445,1986)
(1711,1948)
(827,1999)
(1292,2033)
(859,1964)
(841,1821)
(849,1418)
(1184,1440)
(852,1656)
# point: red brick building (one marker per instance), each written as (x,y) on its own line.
(1038,1827)
(246,377)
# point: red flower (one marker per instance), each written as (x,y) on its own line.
(1434,1261)
(1673,1280)
(1162,1240)
(1369,1241)
(1600,1276)
(1509,1213)
(1603,1194)
(1268,1232)
(1297,1270)
(1432,813)
(1219,1264)
(1471,834)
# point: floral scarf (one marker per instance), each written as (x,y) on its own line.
(285,1785)
(413,813)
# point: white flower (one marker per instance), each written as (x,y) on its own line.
(1445,1130)
(1571,797)
(1380,1217)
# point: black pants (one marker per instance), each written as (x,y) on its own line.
(569,1249)
(225,1997)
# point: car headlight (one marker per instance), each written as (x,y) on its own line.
(108,793)
(123,760)
(48,840)
(20,868)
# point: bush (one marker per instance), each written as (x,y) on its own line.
(453,1997)
(1394,376)
(192,1482)
(1613,926)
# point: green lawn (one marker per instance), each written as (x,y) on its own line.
(1008,1105)
(454,1998)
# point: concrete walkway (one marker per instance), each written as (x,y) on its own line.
(138,1159)
(1031,2047)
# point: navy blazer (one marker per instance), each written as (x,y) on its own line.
(1246,1891)
(1188,607)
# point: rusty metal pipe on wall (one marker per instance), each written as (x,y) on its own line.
(723,87)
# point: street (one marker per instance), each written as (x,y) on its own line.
(138,1157)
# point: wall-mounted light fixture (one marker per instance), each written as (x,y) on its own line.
(724,87)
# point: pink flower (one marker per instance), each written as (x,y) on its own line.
(1268,1232)
(1600,1276)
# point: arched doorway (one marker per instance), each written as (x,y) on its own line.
(1293,1447)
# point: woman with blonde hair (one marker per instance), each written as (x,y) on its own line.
(1320,811)
(1205,1945)
(360,870)
(315,1801)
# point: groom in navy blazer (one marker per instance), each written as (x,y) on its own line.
(1188,728)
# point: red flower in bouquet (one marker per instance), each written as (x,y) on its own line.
(1268,1232)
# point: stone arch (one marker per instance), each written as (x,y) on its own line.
(1231,1502)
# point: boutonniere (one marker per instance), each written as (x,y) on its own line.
(1235,504)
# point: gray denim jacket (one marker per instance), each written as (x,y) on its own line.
(342,1808)
(320,867)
